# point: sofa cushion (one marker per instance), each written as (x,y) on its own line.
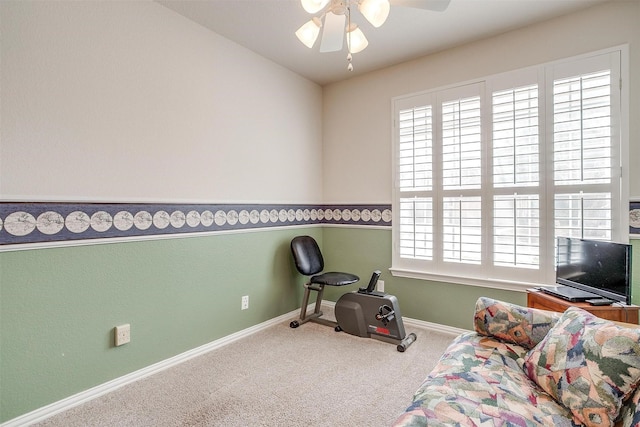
(479,381)
(512,323)
(588,364)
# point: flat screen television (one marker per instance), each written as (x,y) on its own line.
(599,267)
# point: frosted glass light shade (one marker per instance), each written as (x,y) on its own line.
(308,33)
(356,41)
(376,11)
(313,6)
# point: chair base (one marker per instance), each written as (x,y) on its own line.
(316,315)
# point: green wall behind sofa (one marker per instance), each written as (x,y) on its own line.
(362,251)
(59,306)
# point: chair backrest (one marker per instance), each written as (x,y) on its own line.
(307,255)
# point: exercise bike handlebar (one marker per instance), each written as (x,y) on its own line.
(372,283)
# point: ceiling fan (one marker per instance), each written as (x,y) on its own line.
(334,18)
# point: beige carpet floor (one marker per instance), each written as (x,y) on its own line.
(310,376)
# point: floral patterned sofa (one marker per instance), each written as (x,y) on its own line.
(530,367)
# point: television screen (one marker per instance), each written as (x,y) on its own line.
(603,268)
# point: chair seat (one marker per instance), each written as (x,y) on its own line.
(335,279)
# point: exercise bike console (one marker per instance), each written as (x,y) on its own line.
(372,283)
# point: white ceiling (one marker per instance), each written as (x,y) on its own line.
(267,27)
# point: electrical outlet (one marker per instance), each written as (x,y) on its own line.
(122,334)
(245,302)
(380,286)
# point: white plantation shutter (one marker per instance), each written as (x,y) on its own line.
(586,162)
(488,174)
(415,150)
(461,168)
(516,154)
(461,144)
(462,230)
(427,176)
(516,231)
(415,180)
(582,129)
(584,215)
(516,176)
(416,228)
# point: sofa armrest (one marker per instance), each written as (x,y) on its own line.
(512,323)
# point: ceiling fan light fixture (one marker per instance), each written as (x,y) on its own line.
(308,33)
(356,41)
(334,17)
(376,11)
(314,6)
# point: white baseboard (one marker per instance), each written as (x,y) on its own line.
(437,327)
(45,412)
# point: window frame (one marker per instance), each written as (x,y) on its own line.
(467,275)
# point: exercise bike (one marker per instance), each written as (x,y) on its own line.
(365,313)
(372,314)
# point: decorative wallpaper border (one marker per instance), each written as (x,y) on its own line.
(27,223)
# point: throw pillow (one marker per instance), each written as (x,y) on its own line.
(512,323)
(587,364)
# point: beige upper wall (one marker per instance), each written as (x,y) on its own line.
(357,112)
(128,101)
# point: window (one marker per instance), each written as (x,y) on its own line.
(489,173)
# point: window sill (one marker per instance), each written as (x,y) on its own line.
(461,280)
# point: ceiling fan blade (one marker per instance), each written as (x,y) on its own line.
(333,33)
(435,5)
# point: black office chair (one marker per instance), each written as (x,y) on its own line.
(309,262)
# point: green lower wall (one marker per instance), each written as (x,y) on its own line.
(59,306)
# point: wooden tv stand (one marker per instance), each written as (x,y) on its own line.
(616,312)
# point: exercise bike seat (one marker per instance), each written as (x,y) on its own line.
(333,278)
